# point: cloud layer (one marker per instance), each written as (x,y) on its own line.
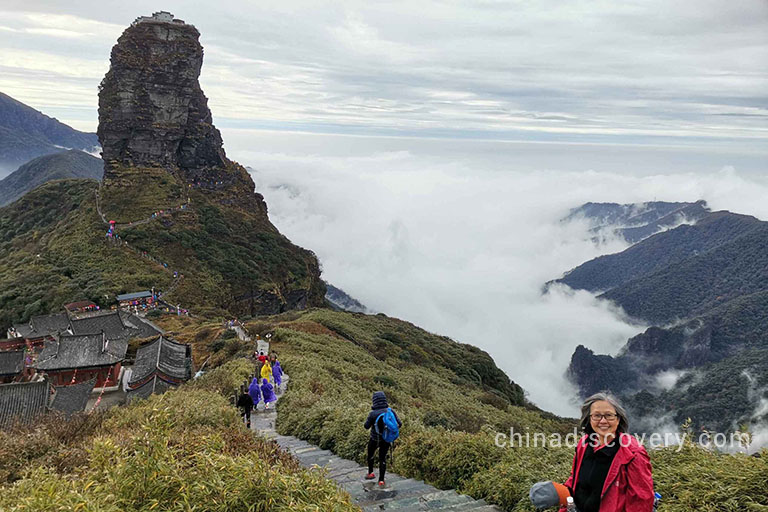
(464,251)
(587,70)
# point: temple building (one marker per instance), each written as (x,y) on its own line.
(160,365)
(72,359)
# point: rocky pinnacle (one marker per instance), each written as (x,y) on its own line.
(152,111)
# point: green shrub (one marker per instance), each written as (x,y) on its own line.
(225,379)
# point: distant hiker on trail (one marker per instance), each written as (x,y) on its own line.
(385,426)
(268,393)
(262,357)
(255,391)
(611,469)
(245,404)
(266,370)
(277,372)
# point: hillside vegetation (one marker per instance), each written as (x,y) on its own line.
(53,251)
(452,400)
(184,450)
(232,257)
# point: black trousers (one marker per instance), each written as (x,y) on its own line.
(246,413)
(383,447)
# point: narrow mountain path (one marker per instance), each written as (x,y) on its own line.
(401,494)
(115,240)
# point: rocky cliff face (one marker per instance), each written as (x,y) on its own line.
(152,111)
(161,149)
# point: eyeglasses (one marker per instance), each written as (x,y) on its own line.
(608,416)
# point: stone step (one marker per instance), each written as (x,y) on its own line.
(405,488)
(348,467)
(439,500)
(482,508)
(444,499)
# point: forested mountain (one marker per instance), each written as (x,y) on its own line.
(26,133)
(662,264)
(341,300)
(56,166)
(704,290)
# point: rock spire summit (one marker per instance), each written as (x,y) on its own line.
(152,111)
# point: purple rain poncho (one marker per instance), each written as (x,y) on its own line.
(266,390)
(255,391)
(277,373)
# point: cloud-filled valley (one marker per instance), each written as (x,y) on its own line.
(464,251)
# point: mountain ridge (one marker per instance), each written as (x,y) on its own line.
(26,133)
(54,166)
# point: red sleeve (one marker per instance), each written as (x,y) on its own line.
(639,484)
(569,482)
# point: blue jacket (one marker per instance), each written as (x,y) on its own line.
(378,407)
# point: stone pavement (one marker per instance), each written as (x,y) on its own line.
(401,494)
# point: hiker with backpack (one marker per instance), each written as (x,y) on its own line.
(385,428)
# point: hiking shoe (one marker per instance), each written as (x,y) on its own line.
(370,476)
(381,484)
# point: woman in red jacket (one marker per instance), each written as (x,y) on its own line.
(611,470)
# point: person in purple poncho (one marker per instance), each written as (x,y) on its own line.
(277,373)
(267,391)
(255,391)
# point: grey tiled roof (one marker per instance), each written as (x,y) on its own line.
(137,328)
(154,385)
(81,352)
(136,295)
(11,362)
(23,401)
(43,325)
(109,323)
(49,324)
(72,399)
(24,330)
(166,356)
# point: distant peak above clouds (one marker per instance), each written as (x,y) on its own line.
(636,221)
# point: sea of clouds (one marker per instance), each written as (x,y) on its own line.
(461,244)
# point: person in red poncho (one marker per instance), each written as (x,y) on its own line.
(611,470)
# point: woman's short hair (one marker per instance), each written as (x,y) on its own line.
(585,424)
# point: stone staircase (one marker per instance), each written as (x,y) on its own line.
(401,494)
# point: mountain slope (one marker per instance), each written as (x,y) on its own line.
(635,222)
(671,251)
(56,166)
(704,288)
(341,300)
(53,251)
(26,133)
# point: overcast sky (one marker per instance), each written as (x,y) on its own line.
(427,150)
(660,72)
